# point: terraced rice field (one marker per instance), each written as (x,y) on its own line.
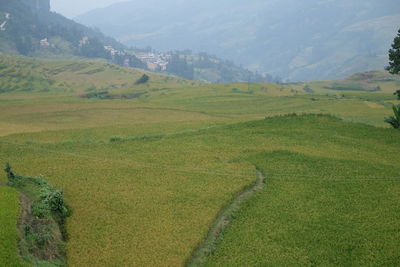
(146,177)
(9,213)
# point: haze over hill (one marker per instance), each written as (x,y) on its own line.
(73,8)
(297,40)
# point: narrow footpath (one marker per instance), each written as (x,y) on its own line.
(200,254)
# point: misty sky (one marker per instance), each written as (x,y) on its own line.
(72,8)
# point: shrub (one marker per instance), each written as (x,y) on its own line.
(12,178)
(55,201)
(51,202)
(40,210)
(116,139)
(308,89)
(10,174)
(394,120)
(144,79)
(99,95)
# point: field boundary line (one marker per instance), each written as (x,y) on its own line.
(224,217)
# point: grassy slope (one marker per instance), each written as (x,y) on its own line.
(9,211)
(158,189)
(327,206)
(356,84)
(155,198)
(27,112)
(20,74)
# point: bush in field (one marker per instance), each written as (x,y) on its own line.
(98,95)
(144,79)
(116,139)
(12,178)
(40,210)
(51,202)
(54,199)
(10,174)
(394,120)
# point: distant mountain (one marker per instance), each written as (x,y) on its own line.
(27,27)
(297,40)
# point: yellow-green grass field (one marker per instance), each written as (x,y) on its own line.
(150,201)
(336,207)
(371,81)
(9,213)
(146,177)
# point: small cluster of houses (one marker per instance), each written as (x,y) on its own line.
(114,52)
(3,25)
(44,43)
(84,41)
(154,61)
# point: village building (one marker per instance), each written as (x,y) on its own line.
(3,25)
(83,41)
(154,61)
(44,43)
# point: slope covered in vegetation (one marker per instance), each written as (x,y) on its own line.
(9,213)
(29,28)
(154,200)
(147,176)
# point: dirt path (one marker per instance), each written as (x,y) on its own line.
(200,254)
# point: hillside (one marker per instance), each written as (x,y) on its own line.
(296,40)
(208,68)
(147,169)
(20,74)
(371,81)
(154,199)
(29,28)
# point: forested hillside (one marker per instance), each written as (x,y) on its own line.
(29,28)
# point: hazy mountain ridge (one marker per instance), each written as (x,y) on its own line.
(299,40)
(27,27)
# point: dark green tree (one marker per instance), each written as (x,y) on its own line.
(398,94)
(394,68)
(394,56)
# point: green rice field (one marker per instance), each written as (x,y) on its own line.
(147,176)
